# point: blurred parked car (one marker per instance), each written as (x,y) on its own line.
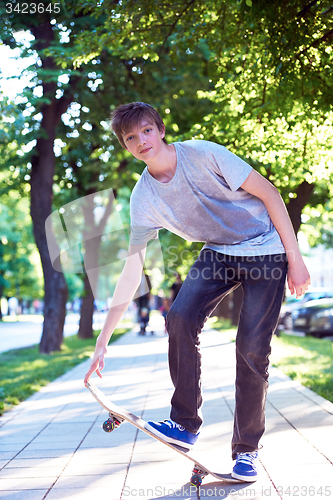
(292,304)
(314,318)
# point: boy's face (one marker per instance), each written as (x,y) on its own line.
(145,140)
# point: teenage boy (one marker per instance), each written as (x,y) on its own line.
(203,192)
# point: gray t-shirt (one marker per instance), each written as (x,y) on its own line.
(204,202)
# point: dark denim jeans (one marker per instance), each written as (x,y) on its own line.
(210,279)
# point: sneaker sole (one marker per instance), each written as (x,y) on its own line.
(169,440)
(246,479)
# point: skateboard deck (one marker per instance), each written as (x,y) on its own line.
(121,414)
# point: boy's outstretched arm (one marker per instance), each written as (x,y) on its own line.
(126,287)
(298,275)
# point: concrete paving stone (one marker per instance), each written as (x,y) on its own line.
(57,429)
(12,433)
(95,460)
(304,426)
(38,462)
(5,418)
(105,493)
(56,445)
(151,449)
(313,471)
(98,464)
(173,468)
(32,494)
(159,413)
(210,417)
(108,441)
(314,421)
(113,482)
(53,441)
(94,469)
(325,448)
(31,416)
(11,448)
(215,401)
(215,428)
(219,449)
(107,452)
(96,433)
(277,388)
(7,455)
(275,418)
(274,455)
(153,456)
(77,414)
(26,483)
(167,469)
(18,441)
(276,427)
(282,392)
(46,453)
(23,472)
(311,417)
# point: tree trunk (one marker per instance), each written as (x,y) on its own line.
(55,287)
(295,206)
(92,243)
(87,311)
(92,246)
(42,172)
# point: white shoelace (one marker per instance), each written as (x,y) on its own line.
(172,425)
(247,458)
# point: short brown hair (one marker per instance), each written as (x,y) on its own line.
(126,116)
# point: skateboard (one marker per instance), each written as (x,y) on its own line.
(118,415)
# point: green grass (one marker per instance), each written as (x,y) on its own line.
(305,359)
(25,371)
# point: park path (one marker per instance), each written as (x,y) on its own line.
(52,445)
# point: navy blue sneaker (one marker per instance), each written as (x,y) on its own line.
(173,433)
(246,466)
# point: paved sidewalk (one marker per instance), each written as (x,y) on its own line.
(52,446)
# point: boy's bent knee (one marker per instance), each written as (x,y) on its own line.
(182,321)
(177,316)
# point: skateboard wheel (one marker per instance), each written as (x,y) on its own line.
(197,476)
(196,480)
(108,426)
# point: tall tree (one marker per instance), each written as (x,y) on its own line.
(272,73)
(268,96)
(91,160)
(43,99)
